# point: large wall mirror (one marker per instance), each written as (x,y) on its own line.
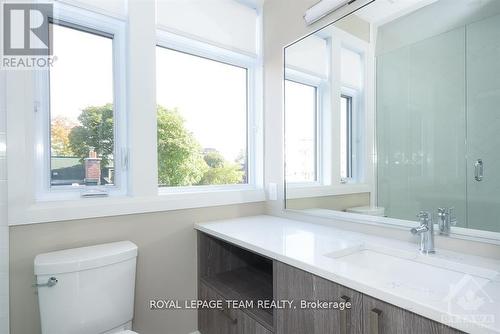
(395,109)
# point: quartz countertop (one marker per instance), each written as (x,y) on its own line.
(465,295)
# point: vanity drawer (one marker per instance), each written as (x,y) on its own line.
(225,321)
(382,318)
(295,284)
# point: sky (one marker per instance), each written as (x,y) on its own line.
(82,75)
(211,96)
(300,118)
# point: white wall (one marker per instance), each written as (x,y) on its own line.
(4,229)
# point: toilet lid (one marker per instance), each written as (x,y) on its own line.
(368,210)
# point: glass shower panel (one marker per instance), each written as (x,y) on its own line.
(392,122)
(483,123)
(421,127)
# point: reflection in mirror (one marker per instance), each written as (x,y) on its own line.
(393,110)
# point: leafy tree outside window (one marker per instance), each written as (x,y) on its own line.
(181,159)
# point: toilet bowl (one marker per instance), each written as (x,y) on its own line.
(88,290)
(368,210)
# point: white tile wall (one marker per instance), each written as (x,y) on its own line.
(4,229)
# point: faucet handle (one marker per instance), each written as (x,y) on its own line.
(442,212)
(424,215)
(448,214)
(453,218)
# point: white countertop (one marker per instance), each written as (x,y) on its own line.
(471,301)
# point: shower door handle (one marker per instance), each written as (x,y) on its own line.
(478,170)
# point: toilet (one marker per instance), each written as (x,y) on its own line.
(378,211)
(88,290)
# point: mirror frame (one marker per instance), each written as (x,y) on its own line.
(400,224)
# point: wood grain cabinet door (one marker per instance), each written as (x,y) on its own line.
(382,318)
(225,321)
(215,321)
(247,325)
(297,285)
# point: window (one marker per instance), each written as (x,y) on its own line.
(82,133)
(351,116)
(346,144)
(80,102)
(202,118)
(301,116)
(211,93)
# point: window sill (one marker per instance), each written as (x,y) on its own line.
(84,208)
(315,190)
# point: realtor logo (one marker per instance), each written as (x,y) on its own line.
(26,29)
(468,303)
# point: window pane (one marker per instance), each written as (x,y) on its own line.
(345,137)
(351,69)
(81,108)
(202,121)
(300,104)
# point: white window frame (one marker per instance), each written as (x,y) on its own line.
(363,107)
(358,137)
(321,86)
(359,110)
(251,63)
(138,39)
(91,21)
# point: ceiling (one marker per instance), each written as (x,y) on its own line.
(252,3)
(383,11)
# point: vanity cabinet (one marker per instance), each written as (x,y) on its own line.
(224,320)
(228,272)
(295,284)
(383,318)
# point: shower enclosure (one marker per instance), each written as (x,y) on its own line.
(438,116)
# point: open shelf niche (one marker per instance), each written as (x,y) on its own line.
(237,274)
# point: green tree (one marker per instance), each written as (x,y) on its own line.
(180,161)
(94,132)
(214,159)
(180,158)
(60,128)
(220,171)
(227,174)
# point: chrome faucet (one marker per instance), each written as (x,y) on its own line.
(446,220)
(426,232)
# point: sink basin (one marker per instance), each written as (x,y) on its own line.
(379,258)
(419,275)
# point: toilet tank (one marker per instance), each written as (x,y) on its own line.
(94,292)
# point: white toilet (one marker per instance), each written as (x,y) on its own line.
(88,290)
(368,210)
